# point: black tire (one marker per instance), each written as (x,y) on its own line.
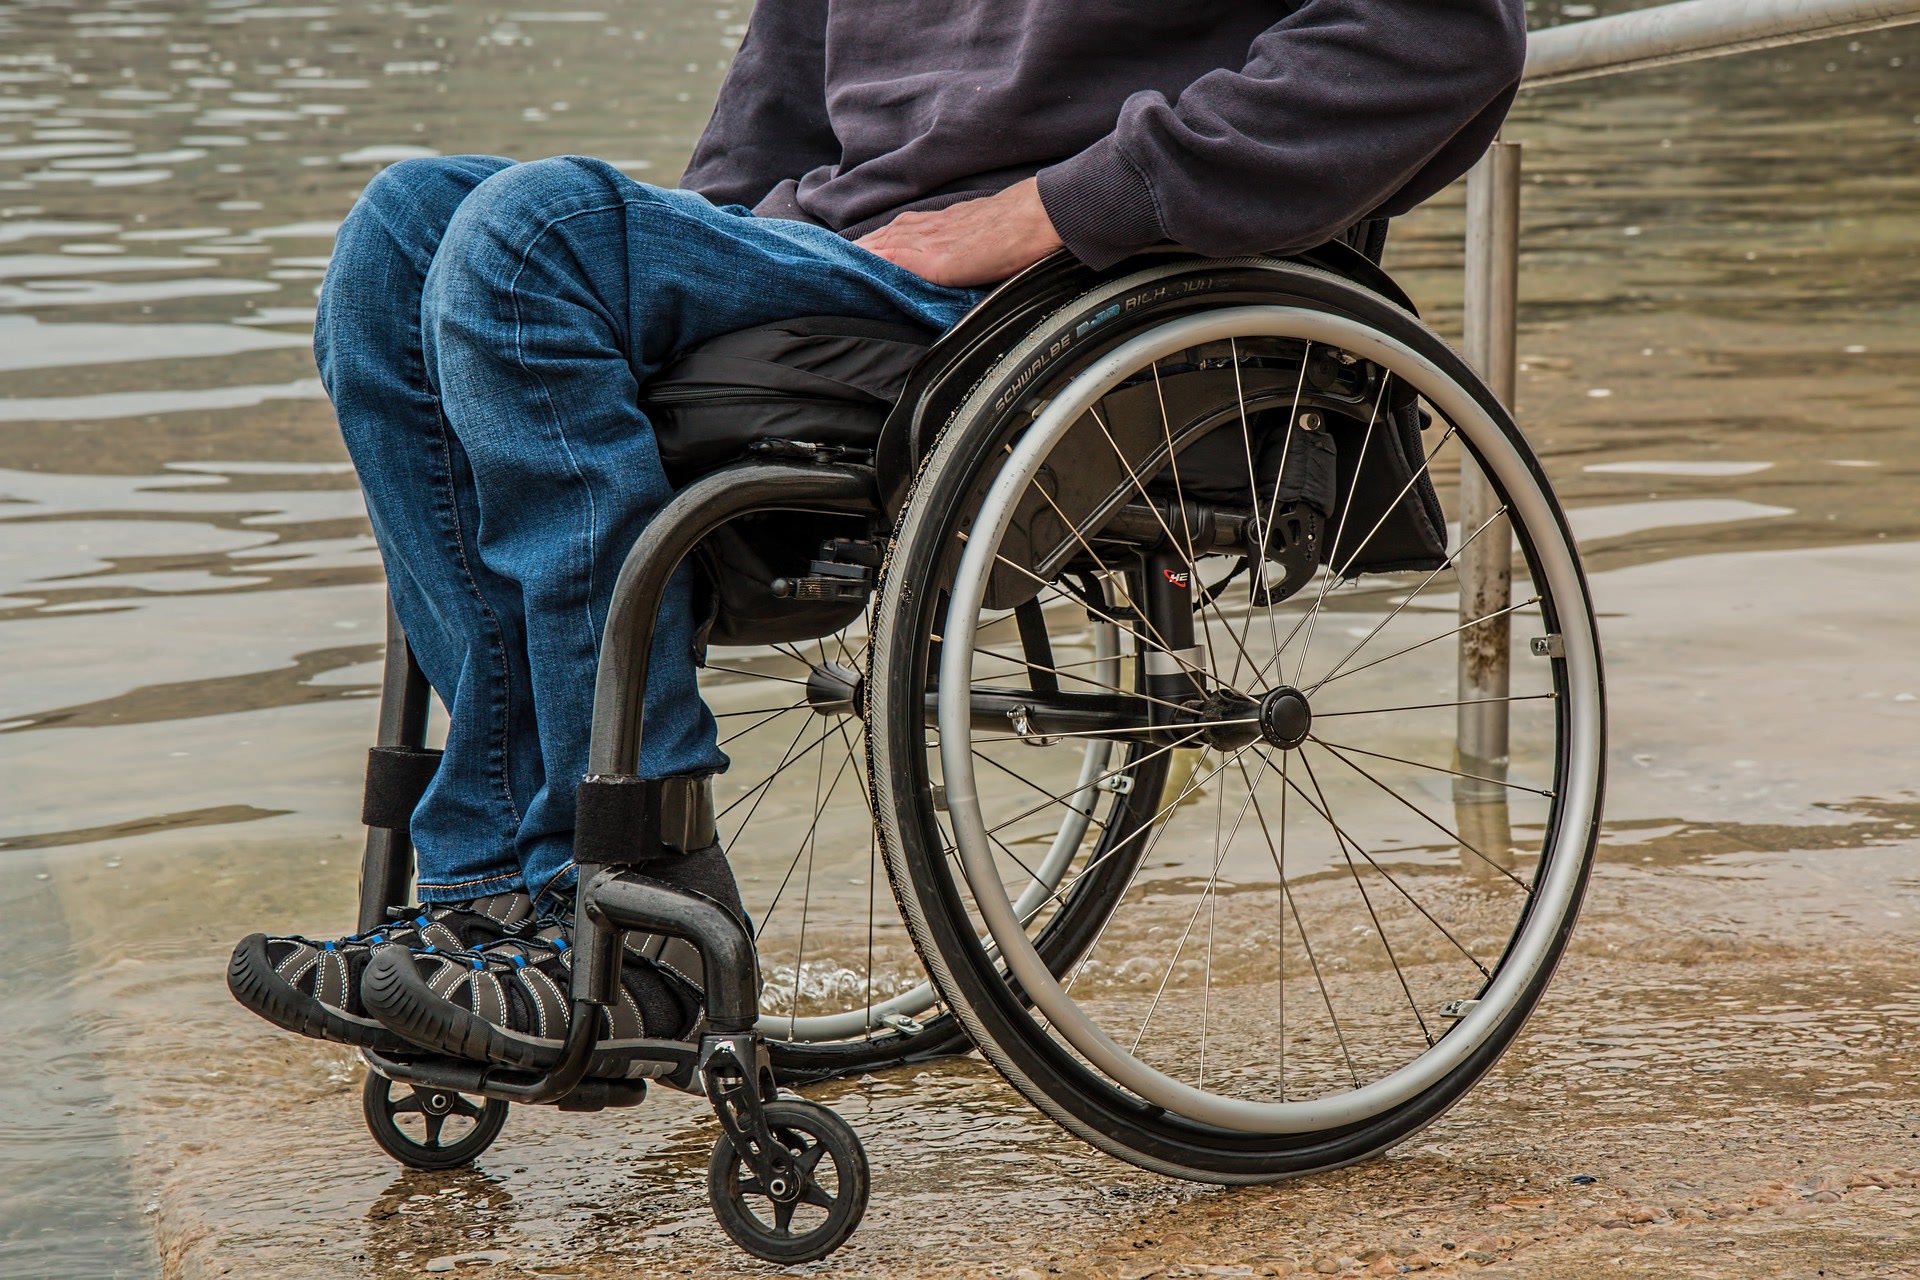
(934,895)
(814,1135)
(482,1119)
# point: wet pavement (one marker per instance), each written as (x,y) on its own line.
(1719,348)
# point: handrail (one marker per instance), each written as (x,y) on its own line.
(1693,29)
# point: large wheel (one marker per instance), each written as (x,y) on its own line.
(1331,922)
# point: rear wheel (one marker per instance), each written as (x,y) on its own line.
(1331,923)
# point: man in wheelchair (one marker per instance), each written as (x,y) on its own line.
(487,332)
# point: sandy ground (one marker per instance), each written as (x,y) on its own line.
(1723,1081)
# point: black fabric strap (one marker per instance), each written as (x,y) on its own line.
(396,779)
(621,819)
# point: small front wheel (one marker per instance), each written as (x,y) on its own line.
(793,1224)
(427,1128)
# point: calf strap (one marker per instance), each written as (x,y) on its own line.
(396,779)
(621,819)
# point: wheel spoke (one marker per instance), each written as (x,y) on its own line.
(1253,489)
(1320,980)
(1064,674)
(1031,785)
(1060,669)
(1074,527)
(1416,764)
(1386,943)
(1333,548)
(1159,829)
(806,844)
(1193,567)
(806,890)
(1173,461)
(464,1107)
(434,1123)
(1105,617)
(1434,706)
(768,719)
(1109,774)
(788,759)
(755,675)
(1444,830)
(1450,562)
(1345,839)
(1213,876)
(1341,573)
(1445,635)
(757,711)
(1425,464)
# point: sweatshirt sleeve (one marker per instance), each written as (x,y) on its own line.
(770,122)
(1344,109)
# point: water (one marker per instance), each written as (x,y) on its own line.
(1719,363)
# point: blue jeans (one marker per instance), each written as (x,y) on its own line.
(483,331)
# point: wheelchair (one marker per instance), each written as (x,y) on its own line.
(1116,628)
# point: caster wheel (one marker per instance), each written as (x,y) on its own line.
(426,1128)
(783,1224)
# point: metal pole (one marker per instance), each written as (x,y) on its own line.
(1692,29)
(1486,568)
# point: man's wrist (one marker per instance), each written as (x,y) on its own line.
(1100,205)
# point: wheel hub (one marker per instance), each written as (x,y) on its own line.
(1285,717)
(1232,721)
(833,689)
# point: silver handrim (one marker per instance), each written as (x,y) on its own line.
(1575,796)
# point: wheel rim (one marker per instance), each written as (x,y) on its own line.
(439,1122)
(1574,768)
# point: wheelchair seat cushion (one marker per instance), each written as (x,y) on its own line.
(819,379)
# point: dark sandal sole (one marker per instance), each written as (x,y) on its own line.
(261,990)
(394,992)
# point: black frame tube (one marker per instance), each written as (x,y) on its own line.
(386,868)
(626,645)
(629,900)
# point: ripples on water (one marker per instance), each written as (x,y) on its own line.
(1719,276)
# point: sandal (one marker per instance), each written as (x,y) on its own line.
(313,987)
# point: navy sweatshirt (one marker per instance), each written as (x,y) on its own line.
(1227,126)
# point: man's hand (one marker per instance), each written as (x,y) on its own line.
(971,243)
